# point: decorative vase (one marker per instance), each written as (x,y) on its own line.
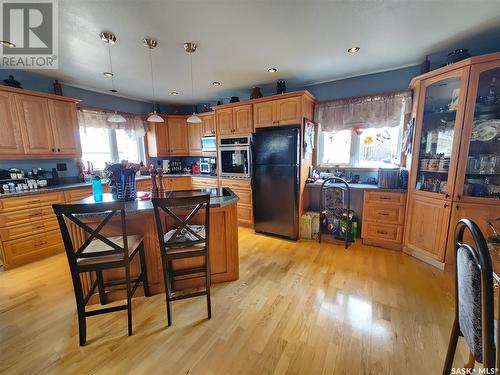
(234,99)
(280,87)
(57,88)
(12,82)
(425,66)
(256,94)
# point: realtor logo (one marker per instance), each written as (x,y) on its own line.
(29,34)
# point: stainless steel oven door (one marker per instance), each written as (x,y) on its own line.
(234,161)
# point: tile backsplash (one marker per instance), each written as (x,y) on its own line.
(46,164)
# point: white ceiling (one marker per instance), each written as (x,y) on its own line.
(238,40)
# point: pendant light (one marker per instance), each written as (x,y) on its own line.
(110,38)
(190,47)
(151,44)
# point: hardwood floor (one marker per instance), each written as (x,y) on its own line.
(298,308)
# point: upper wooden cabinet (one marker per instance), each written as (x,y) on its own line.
(243,119)
(11,142)
(287,111)
(65,127)
(195,132)
(168,138)
(264,114)
(177,135)
(208,121)
(37,124)
(224,119)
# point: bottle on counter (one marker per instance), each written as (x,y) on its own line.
(97,189)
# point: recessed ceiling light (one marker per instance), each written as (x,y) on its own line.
(174,93)
(6,43)
(216,83)
(272,70)
(113,90)
(353,49)
(108,74)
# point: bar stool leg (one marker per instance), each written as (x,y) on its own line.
(166,279)
(207,285)
(129,300)
(100,286)
(452,347)
(82,325)
(144,273)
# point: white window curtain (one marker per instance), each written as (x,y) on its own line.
(88,118)
(371,111)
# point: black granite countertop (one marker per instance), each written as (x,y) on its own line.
(317,185)
(77,185)
(219,197)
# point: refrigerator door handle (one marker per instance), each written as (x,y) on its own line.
(252,164)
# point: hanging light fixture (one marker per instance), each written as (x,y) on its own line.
(110,38)
(190,47)
(152,44)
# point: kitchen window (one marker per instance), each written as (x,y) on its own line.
(103,141)
(362,132)
(360,148)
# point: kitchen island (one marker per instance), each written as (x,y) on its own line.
(223,242)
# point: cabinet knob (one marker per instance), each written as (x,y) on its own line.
(459,196)
(457,207)
(447,195)
(58,150)
(446,205)
(53,150)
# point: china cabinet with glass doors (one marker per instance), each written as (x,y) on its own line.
(455,164)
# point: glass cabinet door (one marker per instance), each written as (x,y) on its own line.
(480,153)
(439,135)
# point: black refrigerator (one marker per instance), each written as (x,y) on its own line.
(275,181)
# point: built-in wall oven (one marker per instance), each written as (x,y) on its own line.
(234,157)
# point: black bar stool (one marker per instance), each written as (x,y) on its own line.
(474,299)
(99,253)
(183,240)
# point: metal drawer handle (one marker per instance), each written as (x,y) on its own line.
(382,232)
(41,243)
(35,201)
(33,214)
(383,213)
(385,198)
(38,226)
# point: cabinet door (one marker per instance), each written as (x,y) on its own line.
(11,142)
(264,114)
(289,111)
(243,119)
(437,134)
(427,226)
(65,127)
(195,132)
(208,124)
(178,138)
(157,139)
(478,174)
(35,124)
(224,119)
(481,214)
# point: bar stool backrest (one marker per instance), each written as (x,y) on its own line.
(474,293)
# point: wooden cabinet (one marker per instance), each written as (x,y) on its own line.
(177,183)
(11,142)
(243,189)
(235,120)
(157,139)
(427,224)
(65,127)
(454,163)
(195,132)
(75,195)
(208,121)
(177,136)
(243,119)
(383,219)
(144,185)
(204,182)
(35,123)
(286,111)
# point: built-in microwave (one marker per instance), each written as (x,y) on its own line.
(208,144)
(234,157)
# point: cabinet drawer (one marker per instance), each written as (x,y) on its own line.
(26,250)
(385,197)
(390,214)
(30,201)
(235,183)
(76,195)
(23,230)
(383,232)
(144,185)
(177,183)
(26,216)
(245,214)
(203,182)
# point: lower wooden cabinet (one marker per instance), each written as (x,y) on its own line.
(383,219)
(204,182)
(177,183)
(243,189)
(426,231)
(480,214)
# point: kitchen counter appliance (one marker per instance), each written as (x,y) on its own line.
(234,157)
(275,181)
(208,144)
